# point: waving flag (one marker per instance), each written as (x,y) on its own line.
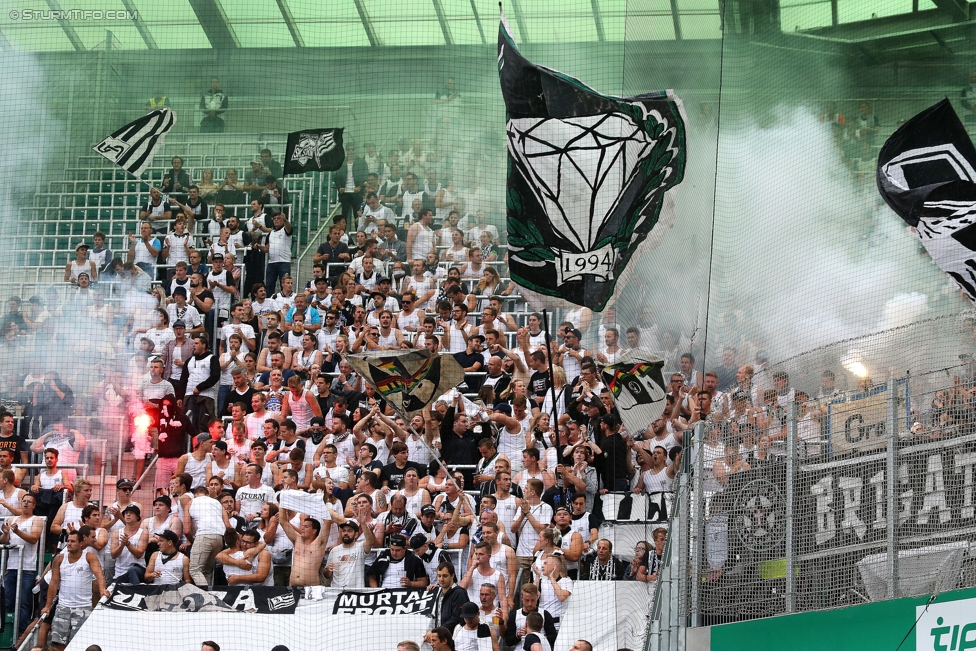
(927,174)
(409,380)
(638,389)
(314,150)
(133,146)
(587,177)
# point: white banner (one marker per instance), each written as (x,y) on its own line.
(312,626)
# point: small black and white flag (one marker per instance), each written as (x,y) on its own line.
(927,174)
(133,146)
(314,150)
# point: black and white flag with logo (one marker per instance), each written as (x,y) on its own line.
(588,179)
(927,174)
(133,146)
(314,150)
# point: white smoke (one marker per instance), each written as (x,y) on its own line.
(806,253)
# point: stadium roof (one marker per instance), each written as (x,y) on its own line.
(194,24)
(36,25)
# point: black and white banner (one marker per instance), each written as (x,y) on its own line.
(133,146)
(393,601)
(185,597)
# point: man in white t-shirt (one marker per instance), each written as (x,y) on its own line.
(144,249)
(237,326)
(253,495)
(347,560)
(279,251)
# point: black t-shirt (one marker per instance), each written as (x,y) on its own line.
(532,638)
(465,359)
(539,383)
(15,444)
(333,252)
(234,396)
(394,475)
(203,296)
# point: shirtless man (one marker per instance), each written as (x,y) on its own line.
(309,549)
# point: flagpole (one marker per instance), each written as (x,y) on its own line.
(552,375)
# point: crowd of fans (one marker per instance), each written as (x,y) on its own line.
(493,495)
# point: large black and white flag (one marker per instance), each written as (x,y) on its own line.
(927,174)
(314,150)
(587,178)
(636,383)
(133,146)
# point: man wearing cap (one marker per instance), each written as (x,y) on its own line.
(423,548)
(470,633)
(347,559)
(179,349)
(254,179)
(204,523)
(81,264)
(397,568)
(168,566)
(129,547)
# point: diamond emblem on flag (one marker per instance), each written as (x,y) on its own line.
(579,166)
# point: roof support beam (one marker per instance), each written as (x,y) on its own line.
(374,40)
(520,19)
(957,9)
(676,19)
(598,20)
(942,44)
(442,19)
(66,26)
(147,37)
(215,25)
(477,20)
(296,35)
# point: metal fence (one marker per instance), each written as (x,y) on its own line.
(860,496)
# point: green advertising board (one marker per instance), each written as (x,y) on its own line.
(947,624)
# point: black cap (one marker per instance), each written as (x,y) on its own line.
(398,541)
(179,290)
(317,420)
(382,279)
(132,508)
(179,323)
(164,499)
(427,509)
(124,482)
(170,536)
(217,256)
(470,609)
(417,541)
(322,278)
